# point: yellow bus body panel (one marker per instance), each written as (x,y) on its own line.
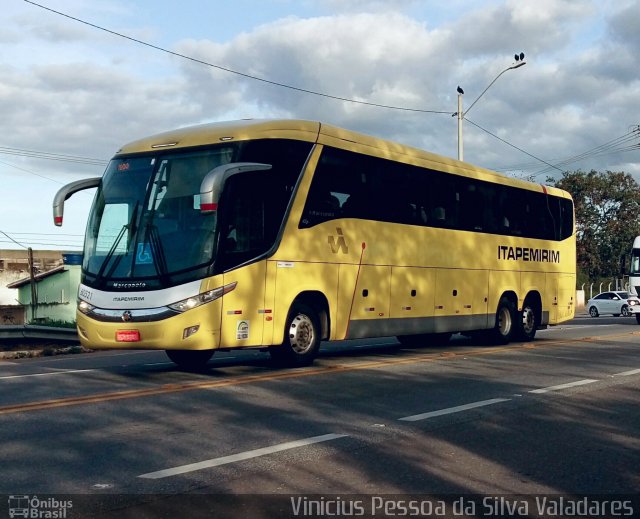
(243,309)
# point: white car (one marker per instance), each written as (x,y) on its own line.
(614,302)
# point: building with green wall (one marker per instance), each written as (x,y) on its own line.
(56,292)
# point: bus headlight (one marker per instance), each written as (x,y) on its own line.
(200,299)
(85,307)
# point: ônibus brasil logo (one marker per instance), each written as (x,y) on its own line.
(36,508)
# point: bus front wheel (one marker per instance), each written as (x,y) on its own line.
(190,359)
(301,339)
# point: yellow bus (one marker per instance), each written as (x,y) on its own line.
(279,234)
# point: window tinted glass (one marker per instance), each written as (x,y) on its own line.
(350,185)
(253,204)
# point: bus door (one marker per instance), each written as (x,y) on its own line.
(243,236)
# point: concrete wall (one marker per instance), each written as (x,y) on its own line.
(12,314)
(9,296)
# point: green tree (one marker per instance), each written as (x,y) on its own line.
(607,206)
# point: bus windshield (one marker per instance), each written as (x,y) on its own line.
(146,220)
(146,229)
(634,269)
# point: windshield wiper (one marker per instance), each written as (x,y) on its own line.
(126,227)
(157,250)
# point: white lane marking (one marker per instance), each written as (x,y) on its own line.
(627,373)
(450,410)
(47,374)
(241,456)
(564,386)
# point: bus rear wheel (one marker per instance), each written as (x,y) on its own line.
(190,359)
(505,327)
(301,339)
(528,323)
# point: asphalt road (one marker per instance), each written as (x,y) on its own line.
(557,416)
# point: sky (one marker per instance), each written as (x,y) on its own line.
(80,79)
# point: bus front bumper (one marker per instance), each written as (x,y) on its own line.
(195,329)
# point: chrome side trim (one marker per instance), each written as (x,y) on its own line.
(142,315)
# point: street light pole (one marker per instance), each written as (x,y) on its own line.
(461,114)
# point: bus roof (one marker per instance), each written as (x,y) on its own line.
(314,131)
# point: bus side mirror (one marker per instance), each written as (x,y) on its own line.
(68,190)
(212,184)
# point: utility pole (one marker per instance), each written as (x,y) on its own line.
(460,116)
(460,113)
(34,289)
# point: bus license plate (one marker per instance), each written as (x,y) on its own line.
(127,336)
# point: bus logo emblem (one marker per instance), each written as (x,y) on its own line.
(339,244)
(126,316)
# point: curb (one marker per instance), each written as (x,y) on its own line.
(45,352)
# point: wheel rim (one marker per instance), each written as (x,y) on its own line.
(625,311)
(593,312)
(504,321)
(301,334)
(528,320)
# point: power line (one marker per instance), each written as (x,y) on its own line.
(36,174)
(45,234)
(626,142)
(51,156)
(14,241)
(38,245)
(512,145)
(29,171)
(236,72)
(617,145)
(594,152)
(40,240)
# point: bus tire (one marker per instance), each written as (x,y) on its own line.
(301,338)
(527,323)
(505,327)
(190,359)
(424,339)
(638,318)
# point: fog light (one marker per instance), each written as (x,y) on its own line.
(188,332)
